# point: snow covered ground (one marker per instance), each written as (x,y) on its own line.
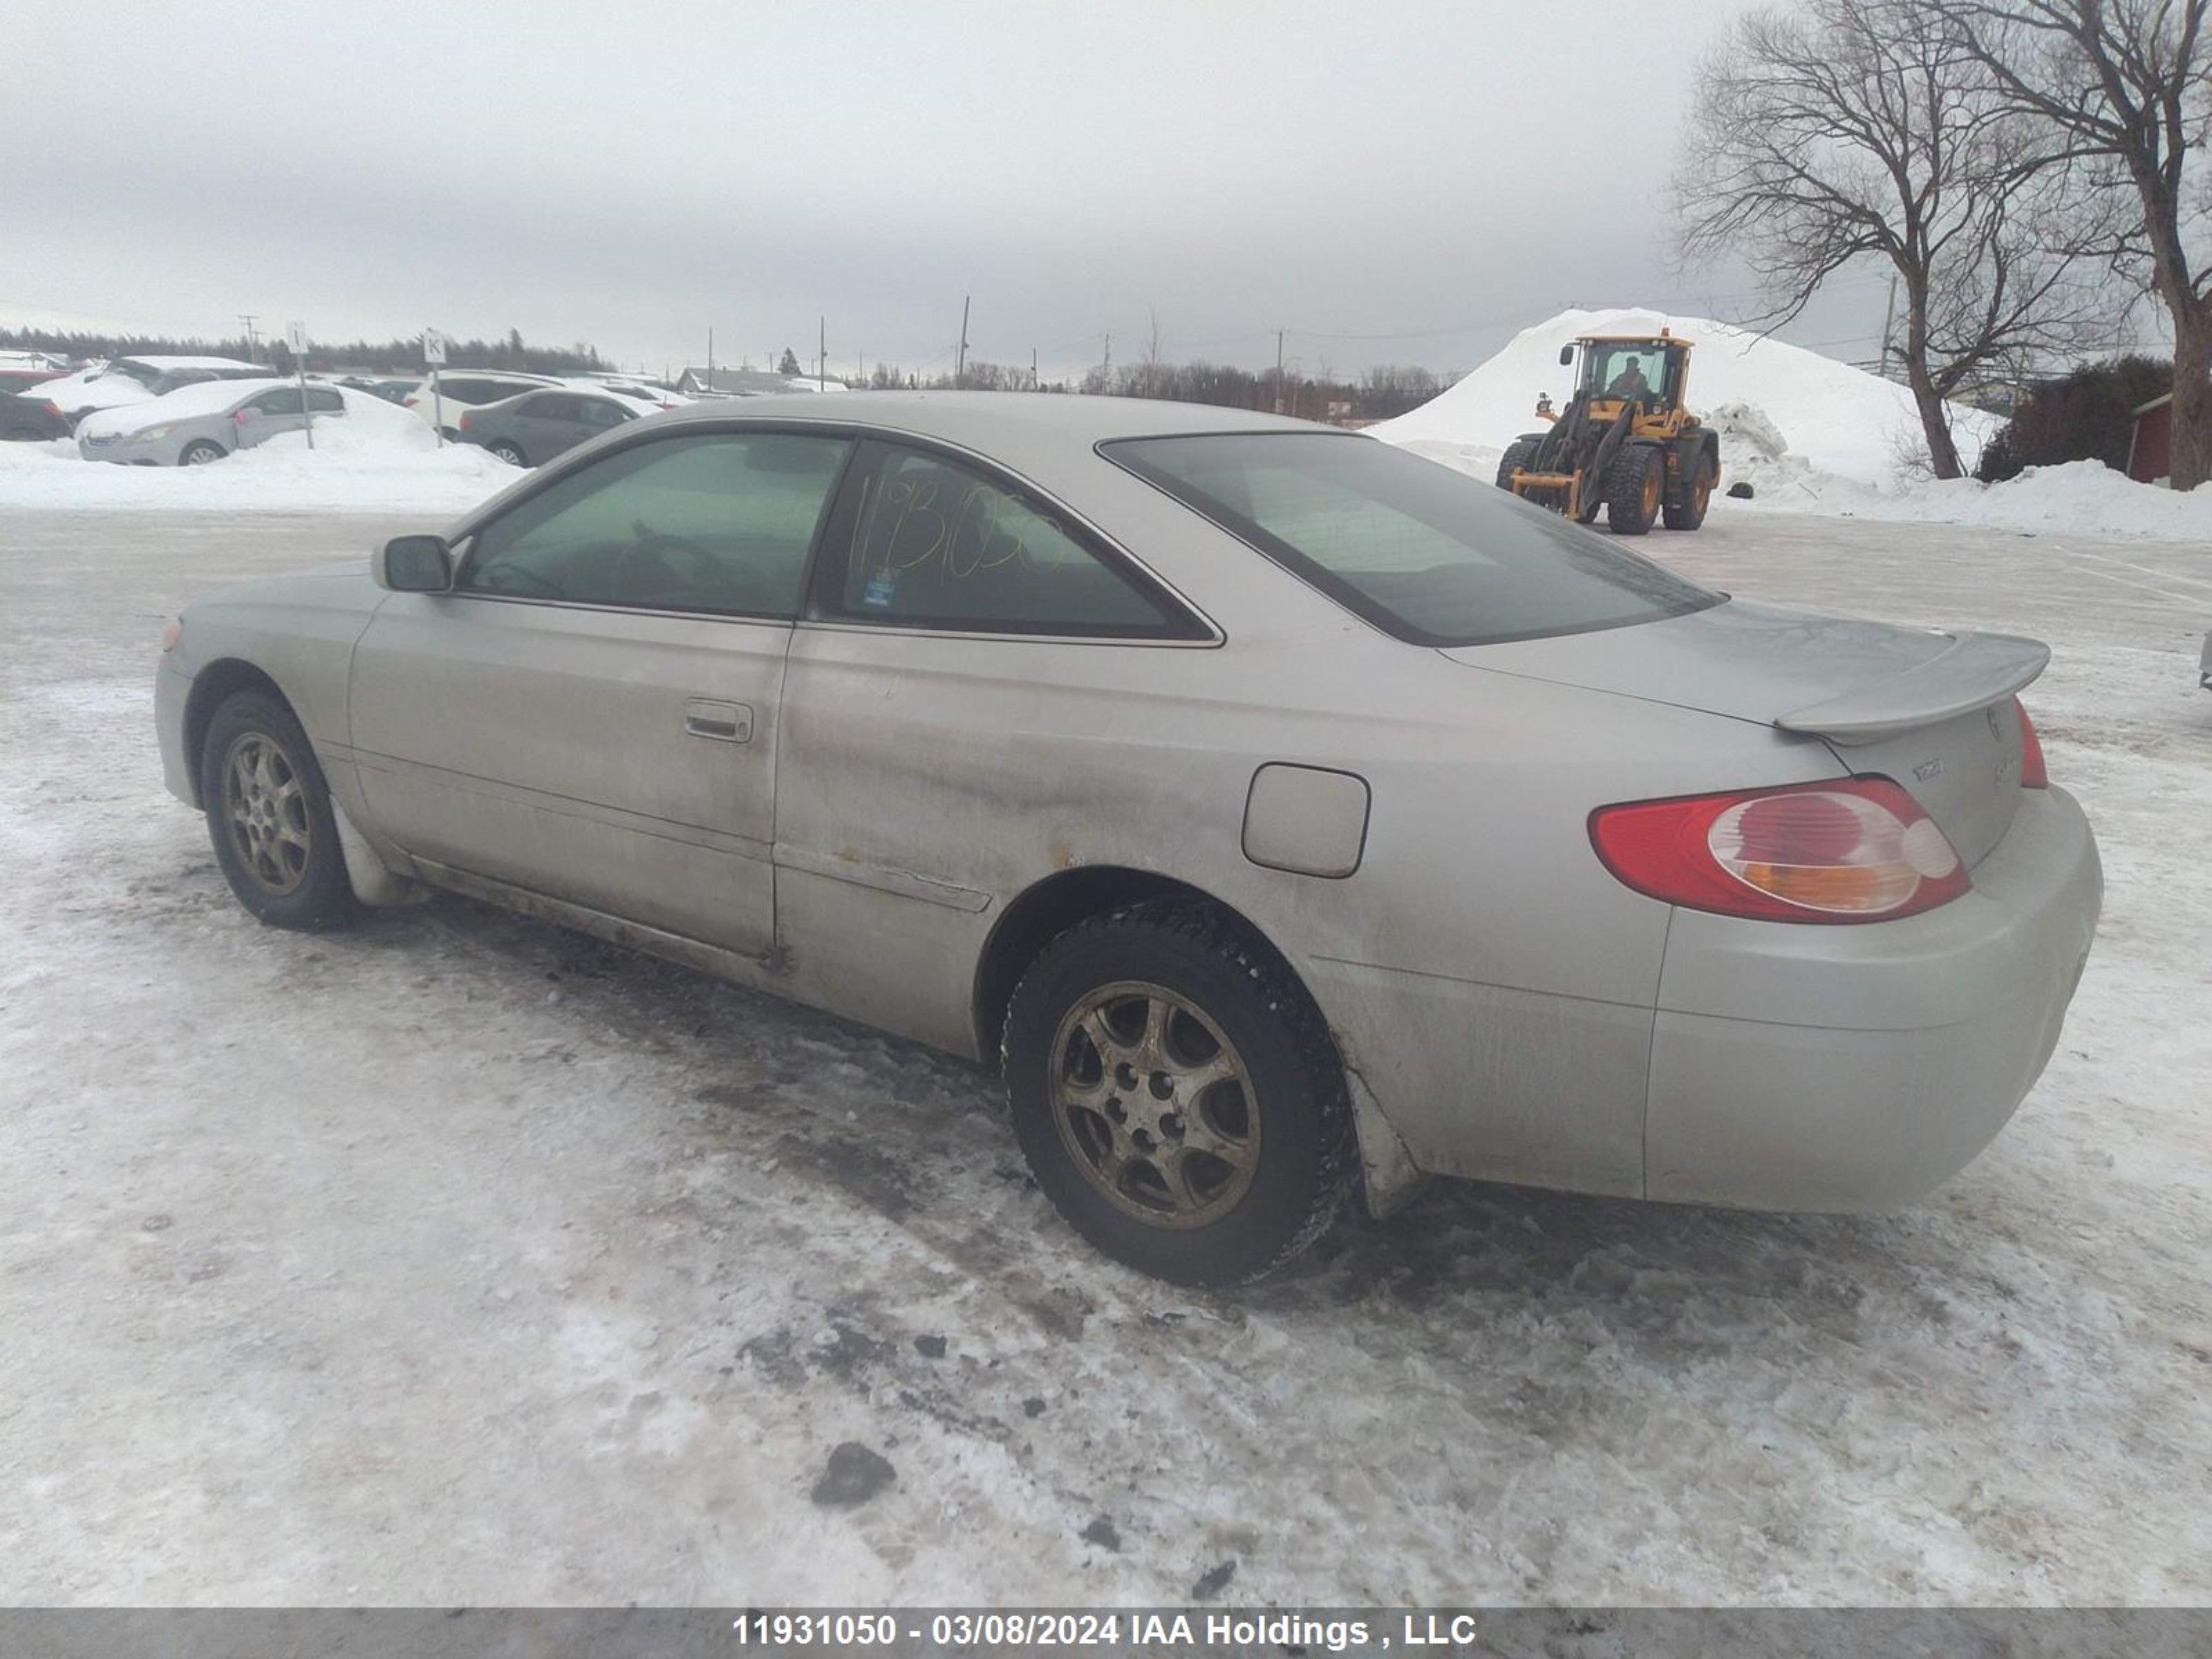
(456,1259)
(1808,434)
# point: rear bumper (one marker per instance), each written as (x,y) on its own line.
(1858,1068)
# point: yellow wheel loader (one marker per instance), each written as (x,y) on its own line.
(1624,442)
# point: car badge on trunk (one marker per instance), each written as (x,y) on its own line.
(1928,769)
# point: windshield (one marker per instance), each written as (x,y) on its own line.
(1427,554)
(1626,368)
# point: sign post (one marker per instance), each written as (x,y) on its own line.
(434,358)
(297,333)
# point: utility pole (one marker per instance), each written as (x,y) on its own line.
(1033,379)
(1278,371)
(822,354)
(1888,314)
(1106,370)
(252,344)
(960,358)
(710,356)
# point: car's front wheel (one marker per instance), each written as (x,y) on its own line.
(269,815)
(201,452)
(1177,1096)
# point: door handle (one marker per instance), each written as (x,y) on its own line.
(724,722)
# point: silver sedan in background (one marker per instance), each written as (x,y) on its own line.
(530,430)
(196,424)
(1284,815)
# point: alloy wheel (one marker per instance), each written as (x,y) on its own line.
(1155,1105)
(264,806)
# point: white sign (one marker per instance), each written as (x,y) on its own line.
(296,333)
(434,347)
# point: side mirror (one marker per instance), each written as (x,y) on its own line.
(1566,356)
(413,564)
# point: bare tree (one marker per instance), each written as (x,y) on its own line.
(1151,378)
(2128,85)
(1843,131)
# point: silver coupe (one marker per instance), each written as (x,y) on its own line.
(1285,815)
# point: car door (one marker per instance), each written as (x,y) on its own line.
(263,417)
(544,424)
(957,720)
(595,415)
(592,713)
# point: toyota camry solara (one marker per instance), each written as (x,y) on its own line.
(1285,815)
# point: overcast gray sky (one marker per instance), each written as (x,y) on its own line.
(630,172)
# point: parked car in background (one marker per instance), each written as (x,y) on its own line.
(532,428)
(22,376)
(462,389)
(30,416)
(121,381)
(643,392)
(1285,815)
(198,424)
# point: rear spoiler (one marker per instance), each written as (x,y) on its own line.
(1973,671)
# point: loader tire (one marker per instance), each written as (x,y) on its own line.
(1518,454)
(1688,512)
(1633,485)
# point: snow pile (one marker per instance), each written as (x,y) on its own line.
(1838,421)
(2082,498)
(378,457)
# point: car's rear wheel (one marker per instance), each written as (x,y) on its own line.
(269,815)
(1177,1095)
(200,452)
(508,451)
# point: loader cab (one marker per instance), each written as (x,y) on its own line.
(1611,365)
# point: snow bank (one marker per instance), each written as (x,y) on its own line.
(1837,420)
(2082,498)
(379,458)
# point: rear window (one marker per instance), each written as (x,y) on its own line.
(1428,555)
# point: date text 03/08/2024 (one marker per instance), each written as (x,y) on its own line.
(1063,1628)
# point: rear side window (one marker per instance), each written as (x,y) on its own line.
(322,401)
(552,407)
(1424,553)
(931,543)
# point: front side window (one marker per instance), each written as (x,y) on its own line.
(286,402)
(934,543)
(718,522)
(1424,553)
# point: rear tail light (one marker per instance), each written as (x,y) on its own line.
(466,418)
(2032,774)
(55,409)
(409,402)
(1858,849)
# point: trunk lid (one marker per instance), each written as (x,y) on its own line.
(1931,711)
